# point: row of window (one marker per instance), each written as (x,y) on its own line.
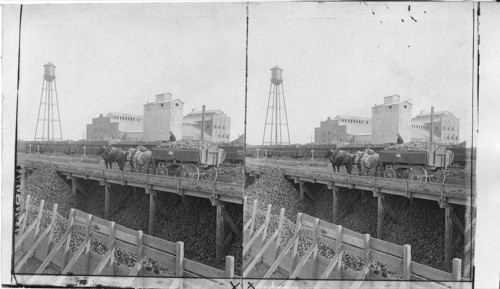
(355,121)
(223,136)
(127,118)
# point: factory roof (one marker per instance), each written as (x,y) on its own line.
(124,114)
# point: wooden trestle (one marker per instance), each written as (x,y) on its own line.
(447,195)
(29,242)
(219,193)
(261,246)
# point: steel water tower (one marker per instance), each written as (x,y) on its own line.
(49,102)
(276,116)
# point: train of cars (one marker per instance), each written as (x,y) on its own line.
(234,153)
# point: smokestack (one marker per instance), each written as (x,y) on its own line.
(202,122)
(432,122)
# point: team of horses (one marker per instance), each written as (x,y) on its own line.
(136,157)
(366,161)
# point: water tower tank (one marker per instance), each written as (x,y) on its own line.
(276,77)
(49,72)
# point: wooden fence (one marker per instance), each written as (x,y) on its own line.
(259,247)
(29,242)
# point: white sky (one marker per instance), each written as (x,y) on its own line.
(342,58)
(118,57)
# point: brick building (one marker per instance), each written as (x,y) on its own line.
(217,124)
(343,128)
(115,125)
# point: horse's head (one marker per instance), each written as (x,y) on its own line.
(131,153)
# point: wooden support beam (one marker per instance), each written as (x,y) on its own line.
(301,264)
(152,212)
(457,223)
(259,255)
(380,218)
(53,252)
(73,187)
(298,226)
(448,237)
(32,249)
(219,235)
(254,237)
(457,270)
(52,224)
(339,249)
(104,261)
(301,190)
(39,217)
(179,259)
(88,234)
(388,209)
(278,238)
(81,189)
(335,204)
(314,260)
(254,211)
(406,262)
(232,226)
(266,222)
(111,248)
(337,258)
(135,270)
(107,191)
(282,255)
(467,243)
(66,251)
(229,266)
(361,276)
(75,257)
(367,252)
(26,211)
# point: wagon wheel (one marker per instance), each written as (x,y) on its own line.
(438,177)
(390,173)
(190,171)
(407,175)
(209,174)
(162,170)
(418,174)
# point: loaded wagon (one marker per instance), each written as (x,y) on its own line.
(424,166)
(199,164)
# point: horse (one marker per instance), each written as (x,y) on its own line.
(111,155)
(140,159)
(366,162)
(341,158)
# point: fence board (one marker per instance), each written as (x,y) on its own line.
(389,260)
(159,244)
(386,247)
(203,270)
(429,272)
(353,238)
(166,259)
(126,234)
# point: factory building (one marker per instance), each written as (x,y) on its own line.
(343,129)
(389,119)
(115,126)
(446,126)
(162,116)
(217,125)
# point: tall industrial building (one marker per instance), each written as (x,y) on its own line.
(115,125)
(217,125)
(446,126)
(343,128)
(162,116)
(389,119)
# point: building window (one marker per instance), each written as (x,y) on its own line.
(390,106)
(405,105)
(161,105)
(176,104)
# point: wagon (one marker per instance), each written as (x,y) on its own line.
(417,166)
(199,164)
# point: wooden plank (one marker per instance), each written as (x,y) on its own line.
(107,189)
(367,252)
(87,249)
(259,254)
(219,235)
(125,234)
(282,255)
(353,238)
(429,273)
(335,205)
(32,249)
(52,225)
(103,262)
(386,247)
(314,259)
(333,263)
(111,248)
(53,252)
(179,259)
(406,262)
(389,260)
(248,245)
(301,264)
(266,222)
(135,271)
(298,227)
(159,244)
(457,270)
(361,276)
(380,218)
(23,237)
(448,237)
(457,223)
(280,226)
(152,213)
(125,246)
(202,269)
(66,251)
(229,265)
(254,211)
(75,257)
(167,259)
(354,250)
(26,210)
(233,227)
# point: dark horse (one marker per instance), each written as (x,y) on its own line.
(111,155)
(340,158)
